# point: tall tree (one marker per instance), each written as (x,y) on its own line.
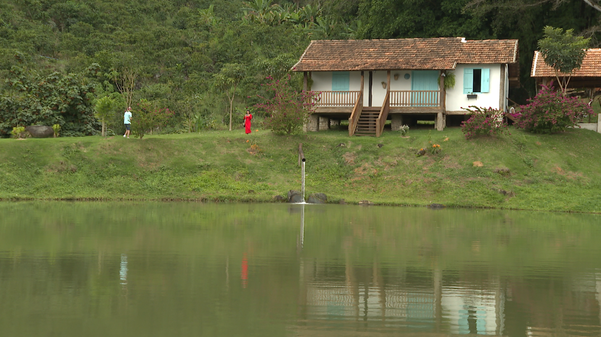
(125,81)
(424,18)
(227,80)
(563,52)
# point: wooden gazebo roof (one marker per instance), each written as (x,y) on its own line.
(589,74)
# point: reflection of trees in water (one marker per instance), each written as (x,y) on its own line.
(375,266)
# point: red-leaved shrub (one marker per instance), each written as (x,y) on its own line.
(483,122)
(551,112)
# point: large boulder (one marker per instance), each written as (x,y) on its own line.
(295,196)
(317,198)
(40,131)
(278,198)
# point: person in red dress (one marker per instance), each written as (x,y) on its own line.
(247,119)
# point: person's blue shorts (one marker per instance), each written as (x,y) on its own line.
(127,126)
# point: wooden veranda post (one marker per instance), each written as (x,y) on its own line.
(440,116)
(305,81)
(388,82)
(443,93)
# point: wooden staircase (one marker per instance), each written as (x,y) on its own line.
(366,126)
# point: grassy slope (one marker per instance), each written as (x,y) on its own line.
(547,172)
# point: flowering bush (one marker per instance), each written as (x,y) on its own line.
(288,109)
(484,122)
(404,129)
(550,112)
(435,149)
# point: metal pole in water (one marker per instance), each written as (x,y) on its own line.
(301,161)
(302,230)
(303,180)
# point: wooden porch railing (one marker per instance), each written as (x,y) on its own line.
(381,121)
(336,98)
(357,109)
(398,98)
(415,98)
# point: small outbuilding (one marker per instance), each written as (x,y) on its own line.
(588,76)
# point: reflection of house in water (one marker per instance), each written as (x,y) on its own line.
(580,311)
(424,305)
(473,311)
(394,307)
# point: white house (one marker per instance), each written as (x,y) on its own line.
(370,81)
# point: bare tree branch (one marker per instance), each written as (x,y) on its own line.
(594,4)
(496,4)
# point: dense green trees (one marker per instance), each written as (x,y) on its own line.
(172,52)
(56,98)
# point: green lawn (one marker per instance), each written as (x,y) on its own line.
(519,171)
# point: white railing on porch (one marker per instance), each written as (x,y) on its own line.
(336,98)
(414,98)
(398,98)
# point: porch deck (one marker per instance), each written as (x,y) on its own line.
(400,101)
(341,105)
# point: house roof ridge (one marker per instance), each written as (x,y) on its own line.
(435,53)
(590,67)
(403,38)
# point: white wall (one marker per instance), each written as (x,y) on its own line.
(456,99)
(379,92)
(322,81)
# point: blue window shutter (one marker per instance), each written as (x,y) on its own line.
(468,80)
(485,80)
(341,80)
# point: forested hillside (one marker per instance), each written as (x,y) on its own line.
(195,56)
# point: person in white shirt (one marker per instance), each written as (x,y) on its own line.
(127,122)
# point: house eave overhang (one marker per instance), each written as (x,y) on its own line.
(403,54)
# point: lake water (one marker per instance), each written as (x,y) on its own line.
(192,269)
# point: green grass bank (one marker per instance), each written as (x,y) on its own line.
(559,172)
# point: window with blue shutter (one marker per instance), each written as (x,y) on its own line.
(485,80)
(476,80)
(468,81)
(341,80)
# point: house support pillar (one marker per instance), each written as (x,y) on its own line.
(324,124)
(312,123)
(441,121)
(396,121)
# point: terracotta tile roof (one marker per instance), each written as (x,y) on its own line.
(422,53)
(591,65)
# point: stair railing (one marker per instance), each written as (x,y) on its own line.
(381,121)
(357,109)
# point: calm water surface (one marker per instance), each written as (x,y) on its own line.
(188,269)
